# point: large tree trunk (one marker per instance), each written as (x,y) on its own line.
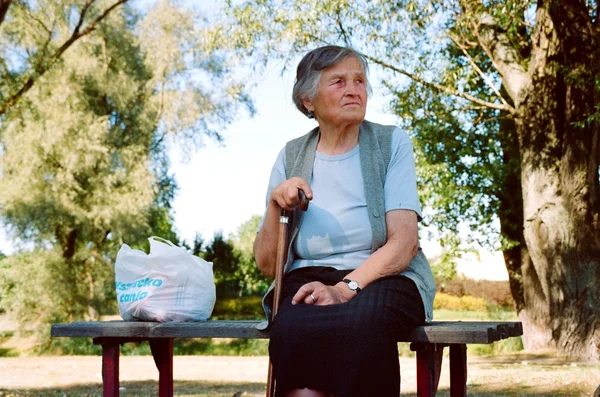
(559,178)
(510,211)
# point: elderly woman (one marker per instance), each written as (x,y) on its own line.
(356,278)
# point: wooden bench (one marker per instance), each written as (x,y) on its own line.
(428,341)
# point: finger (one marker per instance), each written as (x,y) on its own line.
(300,296)
(278,195)
(303,294)
(310,300)
(303,184)
(292,196)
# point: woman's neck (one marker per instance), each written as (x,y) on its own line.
(340,140)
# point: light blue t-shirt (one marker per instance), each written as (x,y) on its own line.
(335,231)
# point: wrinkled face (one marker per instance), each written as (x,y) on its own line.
(341,98)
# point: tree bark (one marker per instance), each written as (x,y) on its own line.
(510,211)
(559,179)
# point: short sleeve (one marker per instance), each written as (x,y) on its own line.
(277,177)
(400,189)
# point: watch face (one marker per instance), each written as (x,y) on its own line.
(353,285)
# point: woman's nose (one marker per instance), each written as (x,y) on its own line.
(353,89)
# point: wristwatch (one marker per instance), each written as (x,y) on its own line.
(352,285)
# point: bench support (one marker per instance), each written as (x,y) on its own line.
(110,366)
(162,352)
(429,366)
(458,370)
(110,369)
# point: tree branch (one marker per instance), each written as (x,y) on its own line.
(503,55)
(447,90)
(40,22)
(43,67)
(4,4)
(343,32)
(478,70)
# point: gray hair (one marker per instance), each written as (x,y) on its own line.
(310,68)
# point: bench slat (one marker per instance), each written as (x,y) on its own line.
(447,332)
(138,329)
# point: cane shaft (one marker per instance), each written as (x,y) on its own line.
(282,256)
(282,253)
(270,381)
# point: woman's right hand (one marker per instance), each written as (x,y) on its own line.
(286,194)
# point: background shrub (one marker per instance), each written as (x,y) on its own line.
(494,293)
(462,303)
(243,308)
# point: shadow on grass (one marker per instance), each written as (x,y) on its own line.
(147,388)
(246,389)
(479,391)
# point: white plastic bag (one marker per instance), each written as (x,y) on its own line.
(169,284)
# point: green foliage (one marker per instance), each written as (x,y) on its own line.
(495,293)
(443,267)
(252,281)
(463,303)
(225,261)
(243,308)
(36,286)
(504,346)
(222,347)
(84,150)
(236,272)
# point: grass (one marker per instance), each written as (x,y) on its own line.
(147,388)
(4,351)
(494,315)
(486,379)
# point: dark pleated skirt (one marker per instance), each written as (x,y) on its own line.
(347,350)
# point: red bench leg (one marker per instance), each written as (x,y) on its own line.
(162,351)
(110,369)
(429,365)
(458,370)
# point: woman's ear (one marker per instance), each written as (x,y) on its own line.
(308,104)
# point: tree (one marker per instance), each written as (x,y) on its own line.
(84,149)
(506,128)
(236,272)
(225,263)
(252,281)
(44,49)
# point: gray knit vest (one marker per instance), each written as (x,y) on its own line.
(375,150)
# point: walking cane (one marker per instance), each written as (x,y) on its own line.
(282,254)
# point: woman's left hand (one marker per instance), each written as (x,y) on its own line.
(316,293)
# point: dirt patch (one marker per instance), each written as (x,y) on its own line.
(223,376)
